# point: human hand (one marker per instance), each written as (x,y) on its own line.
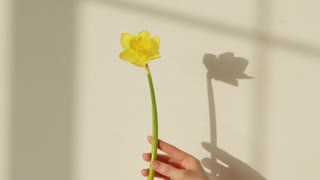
(176,164)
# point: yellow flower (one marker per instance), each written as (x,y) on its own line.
(140,49)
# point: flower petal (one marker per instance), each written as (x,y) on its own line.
(157,40)
(142,63)
(155,56)
(130,56)
(125,40)
(144,34)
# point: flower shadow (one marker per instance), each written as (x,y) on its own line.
(229,69)
(226,68)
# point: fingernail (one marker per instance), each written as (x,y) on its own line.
(155,165)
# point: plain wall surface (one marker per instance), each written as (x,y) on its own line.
(237,86)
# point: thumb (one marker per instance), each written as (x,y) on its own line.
(167,170)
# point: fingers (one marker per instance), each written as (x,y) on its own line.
(167,170)
(160,157)
(172,151)
(163,158)
(145,173)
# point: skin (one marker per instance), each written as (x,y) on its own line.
(174,164)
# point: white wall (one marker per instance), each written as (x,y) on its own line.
(264,128)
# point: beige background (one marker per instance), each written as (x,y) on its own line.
(70,109)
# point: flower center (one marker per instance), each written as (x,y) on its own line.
(141,46)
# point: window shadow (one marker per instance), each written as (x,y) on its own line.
(229,69)
(42,84)
(253,35)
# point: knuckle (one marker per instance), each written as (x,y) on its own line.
(196,161)
(191,162)
(164,169)
(174,150)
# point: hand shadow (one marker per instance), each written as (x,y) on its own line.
(223,166)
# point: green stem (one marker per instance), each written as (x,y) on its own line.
(154,125)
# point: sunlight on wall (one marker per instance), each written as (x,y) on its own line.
(113,109)
(251,112)
(245,126)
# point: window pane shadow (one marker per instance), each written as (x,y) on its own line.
(42,84)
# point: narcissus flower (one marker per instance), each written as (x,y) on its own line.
(140,49)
